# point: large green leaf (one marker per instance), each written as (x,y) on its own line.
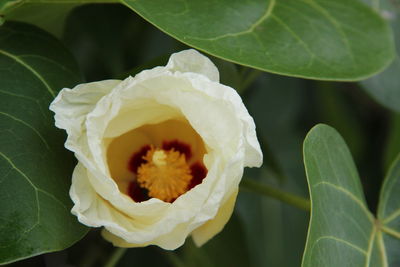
(385,87)
(392,146)
(320,39)
(342,231)
(389,213)
(35,169)
(50,17)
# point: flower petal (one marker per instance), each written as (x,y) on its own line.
(72,105)
(169,241)
(192,61)
(118,241)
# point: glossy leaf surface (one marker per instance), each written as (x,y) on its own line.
(320,39)
(341,223)
(385,87)
(35,169)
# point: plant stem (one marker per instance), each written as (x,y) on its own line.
(115,257)
(296,201)
(174,259)
(247,78)
(271,160)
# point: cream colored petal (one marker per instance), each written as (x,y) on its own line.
(86,201)
(72,105)
(234,104)
(166,228)
(192,61)
(212,227)
(170,241)
(92,210)
(119,242)
(119,153)
(71,108)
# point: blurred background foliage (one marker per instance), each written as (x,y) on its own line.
(110,40)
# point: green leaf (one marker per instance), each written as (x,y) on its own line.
(318,39)
(342,231)
(389,213)
(50,16)
(392,146)
(385,87)
(35,169)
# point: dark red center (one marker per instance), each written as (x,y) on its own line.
(137,159)
(178,146)
(198,170)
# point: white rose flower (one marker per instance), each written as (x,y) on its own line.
(160,154)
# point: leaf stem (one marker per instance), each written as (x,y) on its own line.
(174,259)
(115,257)
(247,78)
(271,160)
(296,201)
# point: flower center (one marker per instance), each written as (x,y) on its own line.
(165,174)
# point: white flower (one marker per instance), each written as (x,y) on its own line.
(160,155)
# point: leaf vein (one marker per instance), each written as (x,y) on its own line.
(53,62)
(23,63)
(337,26)
(341,241)
(251,29)
(391,231)
(370,246)
(382,250)
(29,126)
(349,194)
(392,216)
(17,95)
(297,37)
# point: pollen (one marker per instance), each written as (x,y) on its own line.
(166,174)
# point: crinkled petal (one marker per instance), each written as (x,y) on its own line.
(192,61)
(119,242)
(71,108)
(170,241)
(234,103)
(92,210)
(72,105)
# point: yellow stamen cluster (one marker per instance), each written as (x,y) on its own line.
(166,175)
